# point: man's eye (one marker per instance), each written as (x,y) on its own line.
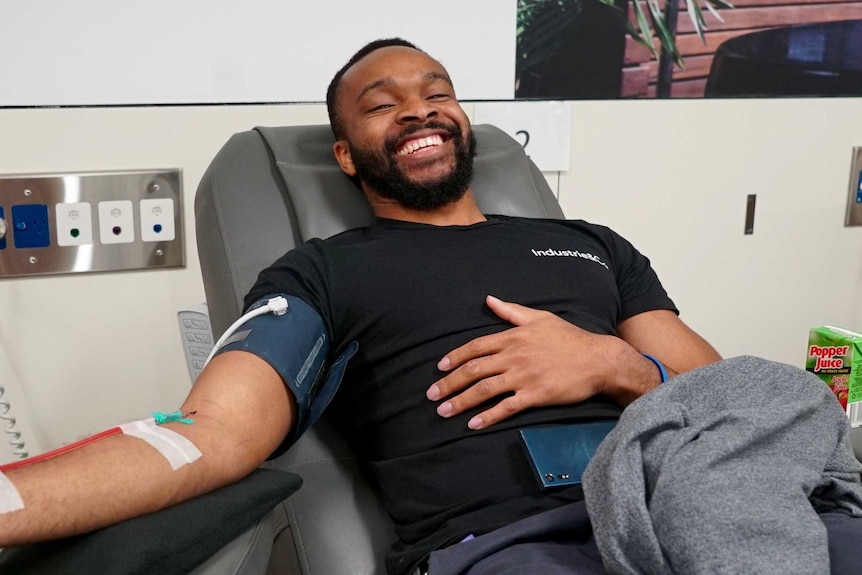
(438,96)
(380,107)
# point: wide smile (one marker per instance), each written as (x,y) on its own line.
(421,145)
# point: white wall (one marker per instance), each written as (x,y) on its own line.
(673,176)
(79,353)
(95,52)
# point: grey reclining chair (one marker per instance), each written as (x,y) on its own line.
(266,191)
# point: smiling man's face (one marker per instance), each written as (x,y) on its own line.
(406,136)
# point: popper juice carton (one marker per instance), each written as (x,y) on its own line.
(835,356)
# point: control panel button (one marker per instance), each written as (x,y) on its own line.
(30,226)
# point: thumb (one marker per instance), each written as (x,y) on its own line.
(514,313)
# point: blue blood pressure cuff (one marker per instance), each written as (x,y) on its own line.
(296,345)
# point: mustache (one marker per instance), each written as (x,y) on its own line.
(453,131)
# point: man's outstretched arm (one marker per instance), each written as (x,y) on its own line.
(242,411)
(545,360)
(663,335)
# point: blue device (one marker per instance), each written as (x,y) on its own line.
(559,454)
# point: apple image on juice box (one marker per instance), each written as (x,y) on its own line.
(835,356)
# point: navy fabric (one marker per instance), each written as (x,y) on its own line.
(844,533)
(561,542)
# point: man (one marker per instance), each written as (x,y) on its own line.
(417,292)
(402,133)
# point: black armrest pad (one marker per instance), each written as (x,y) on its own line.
(172,541)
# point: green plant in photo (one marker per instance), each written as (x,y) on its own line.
(546,26)
(658,22)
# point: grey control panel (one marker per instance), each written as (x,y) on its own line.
(197,337)
(89,222)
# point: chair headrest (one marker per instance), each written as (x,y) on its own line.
(328,202)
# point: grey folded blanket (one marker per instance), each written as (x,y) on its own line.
(722,470)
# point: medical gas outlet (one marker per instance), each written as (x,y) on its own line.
(106,221)
(74,224)
(157,220)
(116,223)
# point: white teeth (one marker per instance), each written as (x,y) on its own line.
(420,143)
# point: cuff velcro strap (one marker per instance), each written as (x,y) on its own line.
(296,345)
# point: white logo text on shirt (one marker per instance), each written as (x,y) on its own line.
(570,254)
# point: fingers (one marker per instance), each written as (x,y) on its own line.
(514,313)
(463,376)
(503,410)
(473,350)
(481,392)
(492,366)
(511,312)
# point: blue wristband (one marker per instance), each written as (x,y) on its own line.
(662,371)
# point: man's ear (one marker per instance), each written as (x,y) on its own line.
(343,157)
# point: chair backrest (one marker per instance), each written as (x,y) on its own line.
(265,192)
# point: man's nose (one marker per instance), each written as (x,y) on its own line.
(416,110)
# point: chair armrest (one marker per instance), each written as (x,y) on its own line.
(172,541)
(856,442)
(248,554)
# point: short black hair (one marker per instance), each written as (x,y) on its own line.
(332,92)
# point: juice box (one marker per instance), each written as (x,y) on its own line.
(835,356)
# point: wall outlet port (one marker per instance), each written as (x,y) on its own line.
(116,222)
(74,224)
(30,226)
(157,220)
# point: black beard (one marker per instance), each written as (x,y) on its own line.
(382,173)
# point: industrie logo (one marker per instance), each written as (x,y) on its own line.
(570,254)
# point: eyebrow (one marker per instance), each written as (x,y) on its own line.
(388,81)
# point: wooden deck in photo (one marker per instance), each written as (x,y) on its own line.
(640,69)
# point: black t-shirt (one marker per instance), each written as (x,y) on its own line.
(410,293)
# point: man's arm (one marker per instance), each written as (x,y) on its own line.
(545,360)
(664,336)
(242,411)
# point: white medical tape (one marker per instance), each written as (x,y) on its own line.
(10,499)
(174,447)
